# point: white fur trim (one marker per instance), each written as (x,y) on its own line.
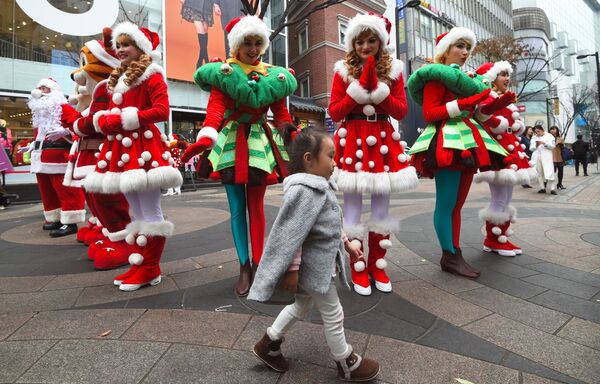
(164,229)
(452,108)
(380,93)
(97,50)
(526,176)
(499,66)
(359,266)
(397,69)
(502,125)
(53,85)
(208,132)
(381,263)
(355,232)
(121,87)
(52,216)
(369,110)
(358,93)
(248,26)
(360,23)
(132,30)
(72,217)
(164,177)
(385,243)
(384,227)
(480,116)
(136,259)
(131,181)
(130,229)
(452,37)
(506,176)
(494,217)
(77,128)
(95,119)
(486,176)
(341,69)
(130,119)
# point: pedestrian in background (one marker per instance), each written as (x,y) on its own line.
(526,141)
(580,152)
(557,155)
(542,144)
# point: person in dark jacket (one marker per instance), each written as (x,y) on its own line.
(580,151)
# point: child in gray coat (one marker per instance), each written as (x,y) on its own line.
(309,219)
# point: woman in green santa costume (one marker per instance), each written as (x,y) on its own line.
(453,146)
(247,150)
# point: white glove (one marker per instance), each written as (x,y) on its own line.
(27,148)
(57,134)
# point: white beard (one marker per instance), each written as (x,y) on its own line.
(47,112)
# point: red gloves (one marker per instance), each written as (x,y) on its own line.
(498,103)
(195,149)
(110,123)
(471,102)
(368,77)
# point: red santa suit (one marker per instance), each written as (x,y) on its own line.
(49,153)
(369,152)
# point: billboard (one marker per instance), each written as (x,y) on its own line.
(195,34)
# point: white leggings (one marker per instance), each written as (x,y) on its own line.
(380,206)
(145,206)
(501,197)
(332,314)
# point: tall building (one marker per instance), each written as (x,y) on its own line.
(563,30)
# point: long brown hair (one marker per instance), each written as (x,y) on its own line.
(382,58)
(132,71)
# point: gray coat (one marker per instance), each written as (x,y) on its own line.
(311,218)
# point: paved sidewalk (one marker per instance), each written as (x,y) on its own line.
(530,319)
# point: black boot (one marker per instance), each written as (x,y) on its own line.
(242,287)
(64,230)
(51,226)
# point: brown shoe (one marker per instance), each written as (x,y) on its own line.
(357,368)
(269,351)
(454,263)
(242,287)
(469,266)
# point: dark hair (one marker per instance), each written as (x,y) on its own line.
(580,137)
(305,140)
(538,127)
(557,130)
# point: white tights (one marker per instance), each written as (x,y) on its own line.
(380,207)
(145,206)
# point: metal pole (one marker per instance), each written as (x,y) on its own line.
(598,107)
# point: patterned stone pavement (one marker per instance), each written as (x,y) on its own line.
(530,319)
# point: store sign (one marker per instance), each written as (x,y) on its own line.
(521,108)
(101,14)
(440,14)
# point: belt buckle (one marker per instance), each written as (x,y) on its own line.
(373,118)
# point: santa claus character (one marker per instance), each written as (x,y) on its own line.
(247,150)
(110,211)
(63,206)
(502,120)
(134,158)
(368,90)
(453,146)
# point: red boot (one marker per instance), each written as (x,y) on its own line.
(495,239)
(152,238)
(83,231)
(360,276)
(113,255)
(378,246)
(95,246)
(94,235)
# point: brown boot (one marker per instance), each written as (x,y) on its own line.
(469,266)
(242,287)
(357,368)
(454,263)
(269,351)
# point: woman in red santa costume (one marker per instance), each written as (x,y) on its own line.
(247,150)
(110,211)
(453,146)
(135,159)
(502,120)
(368,90)
(63,206)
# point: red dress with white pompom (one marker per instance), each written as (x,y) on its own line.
(138,157)
(507,126)
(369,154)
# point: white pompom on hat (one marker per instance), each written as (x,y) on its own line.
(376,23)
(145,39)
(241,27)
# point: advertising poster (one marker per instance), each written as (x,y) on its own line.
(195,34)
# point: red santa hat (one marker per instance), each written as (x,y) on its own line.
(241,27)
(376,23)
(49,83)
(445,40)
(492,70)
(102,49)
(145,39)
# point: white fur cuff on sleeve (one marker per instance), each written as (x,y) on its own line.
(480,116)
(209,132)
(502,125)
(380,93)
(358,93)
(452,108)
(97,116)
(129,118)
(77,129)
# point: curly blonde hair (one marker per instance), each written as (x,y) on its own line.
(382,58)
(132,71)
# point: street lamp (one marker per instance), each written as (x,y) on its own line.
(410,4)
(399,7)
(597,72)
(548,111)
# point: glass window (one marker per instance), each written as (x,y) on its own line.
(303,39)
(342,27)
(426,29)
(305,87)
